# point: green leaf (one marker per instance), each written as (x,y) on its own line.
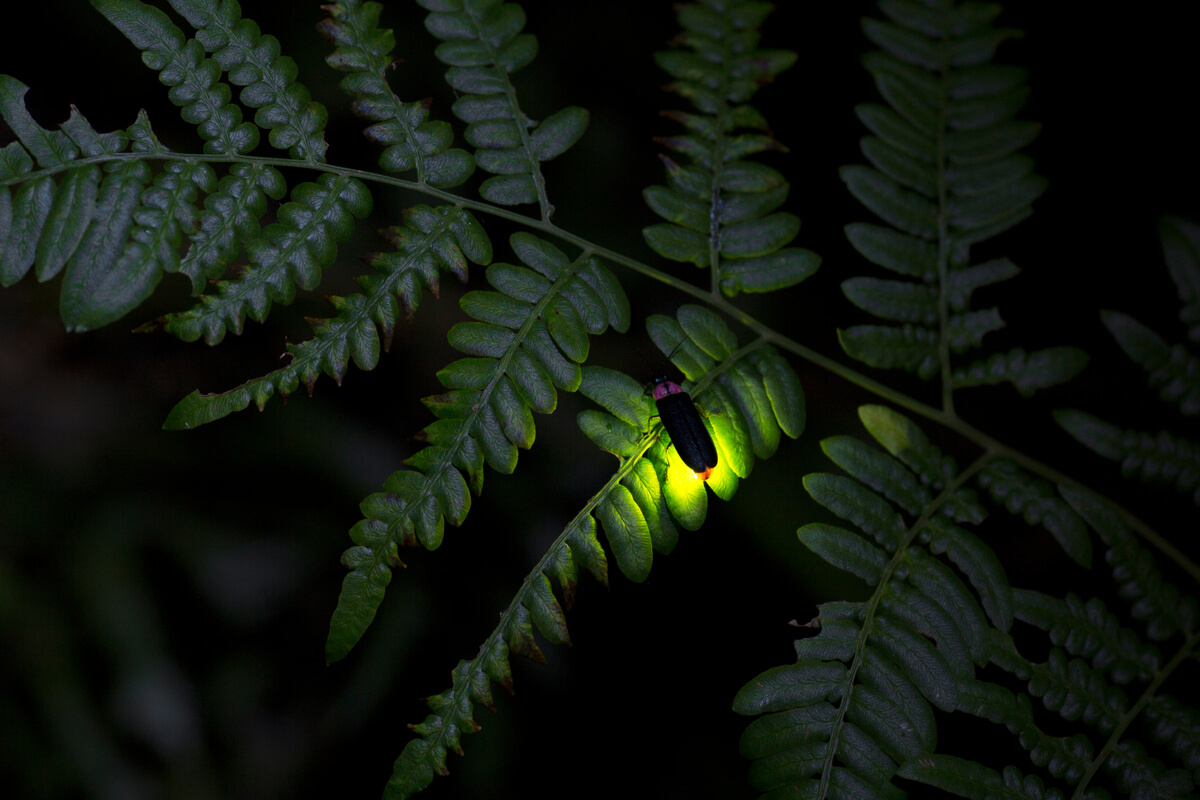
(1027,372)
(903,700)
(204,101)
(558,132)
(49,148)
(1090,631)
(899,435)
(1036,500)
(906,45)
(746,388)
(29,214)
(879,471)
(768,273)
(1158,458)
(981,566)
(610,434)
(902,301)
(786,730)
(899,166)
(955,775)
(918,615)
(795,685)
(1173,371)
(1181,249)
(971,213)
(285,108)
(644,487)
(508,190)
(547,614)
(759,237)
(989,144)
(105,280)
(627,532)
(678,244)
(854,503)
(708,331)
(844,550)
(910,347)
(618,393)
(362,591)
(687,499)
(74,205)
(893,129)
(910,102)
(784,392)
(905,210)
(922,664)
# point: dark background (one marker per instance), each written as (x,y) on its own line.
(164,597)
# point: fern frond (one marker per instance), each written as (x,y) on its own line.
(45,221)
(230,220)
(974,780)
(194,79)
(1064,757)
(526,342)
(907,442)
(1181,249)
(252,60)
(287,254)
(294,250)
(483,45)
(720,209)
(923,628)
(1158,458)
(1173,371)
(534,606)
(112,227)
(1035,500)
(1142,776)
(1177,726)
(945,175)
(638,509)
(978,563)
(1076,691)
(1084,690)
(427,241)
(935,630)
(1089,631)
(1154,600)
(412,140)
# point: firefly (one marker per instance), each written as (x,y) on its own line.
(681,418)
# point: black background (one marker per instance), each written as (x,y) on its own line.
(195,572)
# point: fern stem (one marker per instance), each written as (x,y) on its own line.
(1183,653)
(860,648)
